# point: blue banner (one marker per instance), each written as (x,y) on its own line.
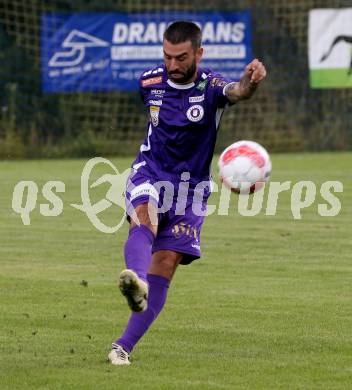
(97,52)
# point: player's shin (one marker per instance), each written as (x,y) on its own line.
(139,323)
(138,250)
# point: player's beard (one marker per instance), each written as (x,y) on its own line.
(186,76)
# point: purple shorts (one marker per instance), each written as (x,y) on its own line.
(181,212)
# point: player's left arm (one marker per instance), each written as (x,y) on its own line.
(254,73)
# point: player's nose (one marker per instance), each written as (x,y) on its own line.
(174,66)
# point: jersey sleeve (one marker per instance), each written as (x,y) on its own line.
(149,79)
(142,90)
(216,87)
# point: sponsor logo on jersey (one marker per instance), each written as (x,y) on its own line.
(159,93)
(196,99)
(216,82)
(202,84)
(154,115)
(155,71)
(155,102)
(151,81)
(195,113)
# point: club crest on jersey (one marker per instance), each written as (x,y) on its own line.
(154,115)
(195,113)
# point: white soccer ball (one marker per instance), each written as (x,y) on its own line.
(244,166)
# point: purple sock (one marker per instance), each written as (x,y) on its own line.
(139,323)
(138,250)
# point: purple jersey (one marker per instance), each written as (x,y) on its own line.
(183,123)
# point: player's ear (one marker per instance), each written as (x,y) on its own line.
(199,54)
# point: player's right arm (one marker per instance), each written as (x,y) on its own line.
(255,72)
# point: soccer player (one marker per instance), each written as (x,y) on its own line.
(185,104)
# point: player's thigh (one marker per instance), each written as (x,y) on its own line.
(141,201)
(164,263)
(181,234)
(145,214)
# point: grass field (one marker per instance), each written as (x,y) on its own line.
(269,306)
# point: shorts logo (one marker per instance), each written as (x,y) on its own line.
(151,81)
(195,113)
(181,229)
(154,115)
(196,99)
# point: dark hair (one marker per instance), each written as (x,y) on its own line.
(182,31)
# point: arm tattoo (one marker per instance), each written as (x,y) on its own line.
(241,90)
(230,87)
(232,91)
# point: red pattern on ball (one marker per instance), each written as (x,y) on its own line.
(244,150)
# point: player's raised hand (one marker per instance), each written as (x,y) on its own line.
(255,71)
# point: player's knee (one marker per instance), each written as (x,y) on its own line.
(166,262)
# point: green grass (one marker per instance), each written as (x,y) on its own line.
(330,78)
(268,307)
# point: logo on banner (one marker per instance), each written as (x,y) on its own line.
(154,115)
(75,45)
(340,38)
(195,113)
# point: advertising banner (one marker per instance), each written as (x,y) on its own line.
(96,52)
(330,48)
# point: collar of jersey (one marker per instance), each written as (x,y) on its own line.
(180,86)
